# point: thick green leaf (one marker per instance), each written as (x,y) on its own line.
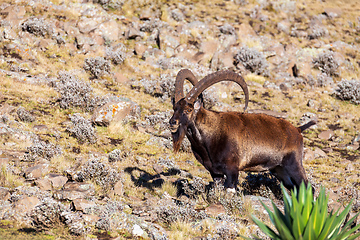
(287,203)
(307,218)
(309,233)
(321,211)
(266,229)
(325,233)
(298,225)
(308,205)
(339,220)
(279,222)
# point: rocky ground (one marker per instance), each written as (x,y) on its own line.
(85,99)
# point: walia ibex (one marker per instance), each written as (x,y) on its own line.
(229,142)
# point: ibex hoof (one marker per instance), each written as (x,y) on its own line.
(231,190)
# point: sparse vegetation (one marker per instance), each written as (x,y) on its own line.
(82,129)
(252,60)
(75,92)
(99,66)
(348,90)
(99,172)
(42,149)
(25,115)
(327,63)
(37,26)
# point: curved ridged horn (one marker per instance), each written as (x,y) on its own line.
(179,82)
(215,78)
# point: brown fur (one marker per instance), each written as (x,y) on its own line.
(229,142)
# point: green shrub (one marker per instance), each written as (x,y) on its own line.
(307,218)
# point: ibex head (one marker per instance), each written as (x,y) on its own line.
(186,108)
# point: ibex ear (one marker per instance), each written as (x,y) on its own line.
(173,101)
(197,105)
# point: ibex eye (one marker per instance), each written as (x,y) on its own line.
(188,111)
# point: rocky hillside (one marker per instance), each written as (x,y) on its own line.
(85,100)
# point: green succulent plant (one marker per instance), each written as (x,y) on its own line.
(307,218)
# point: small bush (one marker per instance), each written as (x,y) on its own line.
(158,120)
(224,231)
(82,129)
(252,60)
(37,26)
(326,63)
(24,115)
(164,87)
(232,203)
(76,223)
(75,93)
(169,212)
(47,214)
(317,31)
(227,29)
(110,4)
(116,54)
(263,184)
(107,213)
(307,218)
(150,25)
(348,90)
(195,187)
(97,67)
(42,149)
(177,15)
(99,172)
(116,155)
(324,80)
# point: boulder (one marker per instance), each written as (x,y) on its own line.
(81,204)
(36,171)
(74,190)
(319,153)
(108,30)
(114,111)
(119,188)
(57,181)
(26,204)
(4,193)
(214,210)
(43,184)
(326,135)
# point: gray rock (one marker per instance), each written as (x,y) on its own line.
(43,184)
(119,188)
(109,30)
(132,33)
(36,171)
(115,111)
(25,205)
(57,181)
(215,209)
(74,190)
(350,167)
(319,153)
(326,135)
(81,204)
(4,193)
(309,155)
